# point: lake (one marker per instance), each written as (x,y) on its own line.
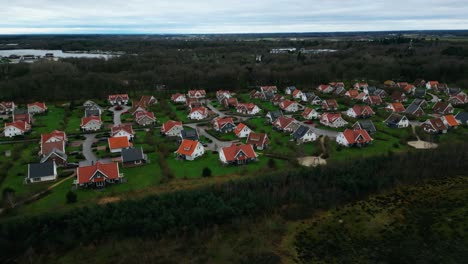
(57,53)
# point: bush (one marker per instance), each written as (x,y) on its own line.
(206,172)
(271,163)
(71,197)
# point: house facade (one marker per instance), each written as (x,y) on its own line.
(303,134)
(123,131)
(145,118)
(397,121)
(237,154)
(242,131)
(37,108)
(118,99)
(198,113)
(92,123)
(172,128)
(289,106)
(350,137)
(179,98)
(198,94)
(190,150)
(360,111)
(223,125)
(248,109)
(310,113)
(16,128)
(98,175)
(259,141)
(332,120)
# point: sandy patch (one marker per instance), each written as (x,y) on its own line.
(101,147)
(76,143)
(109,200)
(422,144)
(311,161)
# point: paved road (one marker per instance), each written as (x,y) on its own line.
(118,113)
(322,132)
(216,143)
(87,148)
(215,110)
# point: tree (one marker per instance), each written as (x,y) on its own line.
(8,196)
(206,172)
(71,197)
(271,163)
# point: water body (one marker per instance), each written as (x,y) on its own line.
(57,53)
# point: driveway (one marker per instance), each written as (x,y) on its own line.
(87,148)
(118,113)
(215,110)
(322,132)
(216,143)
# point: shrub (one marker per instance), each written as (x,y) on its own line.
(71,197)
(206,172)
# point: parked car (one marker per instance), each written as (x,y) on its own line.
(310,122)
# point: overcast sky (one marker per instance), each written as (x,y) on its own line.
(218,16)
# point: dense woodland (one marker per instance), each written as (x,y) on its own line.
(211,63)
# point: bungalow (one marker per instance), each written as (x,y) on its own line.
(304,134)
(237,154)
(273,89)
(432,85)
(462,118)
(450,121)
(325,88)
(350,137)
(290,89)
(286,124)
(297,94)
(399,97)
(395,107)
(248,109)
(329,105)
(223,125)
(273,115)
(98,175)
(118,99)
(37,108)
(442,108)
(230,102)
(310,113)
(374,100)
(190,150)
(16,128)
(434,125)
(122,131)
(459,99)
(360,111)
(191,134)
(360,86)
(242,131)
(172,128)
(116,144)
(289,106)
(145,118)
(91,123)
(132,157)
(397,121)
(7,107)
(366,125)
(277,99)
(198,113)
(196,94)
(40,172)
(22,115)
(178,98)
(332,120)
(259,141)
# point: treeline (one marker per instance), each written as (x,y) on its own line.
(187,211)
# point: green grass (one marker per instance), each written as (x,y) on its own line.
(51,120)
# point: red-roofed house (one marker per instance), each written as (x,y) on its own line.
(409,88)
(123,131)
(230,102)
(289,106)
(398,96)
(350,137)
(189,150)
(329,105)
(374,100)
(147,100)
(277,99)
(237,154)
(435,125)
(442,108)
(395,107)
(310,113)
(178,98)
(450,121)
(7,107)
(198,113)
(297,94)
(325,88)
(272,89)
(172,128)
(459,99)
(98,175)
(116,144)
(118,99)
(25,117)
(37,108)
(286,124)
(242,131)
(332,120)
(196,94)
(16,128)
(432,85)
(91,123)
(223,124)
(54,152)
(54,136)
(248,109)
(360,111)
(145,118)
(259,141)
(352,93)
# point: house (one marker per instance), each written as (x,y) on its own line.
(366,125)
(286,124)
(325,88)
(190,150)
(419,82)
(230,102)
(329,105)
(247,109)
(277,99)
(223,124)
(434,125)
(353,137)
(123,131)
(401,85)
(116,144)
(352,94)
(132,157)
(196,94)
(178,98)
(22,115)
(268,96)
(414,110)
(399,97)
(332,120)
(374,100)
(222,94)
(16,128)
(237,154)
(419,93)
(360,86)
(459,99)
(37,108)
(397,121)
(41,172)
(395,107)
(91,123)
(98,175)
(339,90)
(360,111)
(409,89)
(369,90)
(442,87)
(303,134)
(453,91)
(289,106)
(54,152)
(273,89)
(147,100)
(242,131)
(315,100)
(193,103)
(54,136)
(442,108)
(137,107)
(172,128)
(145,118)
(118,99)
(462,118)
(259,141)
(450,121)
(7,107)
(254,94)
(191,134)
(198,113)
(290,89)
(273,115)
(297,94)
(92,112)
(310,113)
(432,85)
(362,96)
(89,103)
(381,93)
(421,102)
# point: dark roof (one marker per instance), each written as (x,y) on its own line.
(394,118)
(453,91)
(412,108)
(39,170)
(91,112)
(57,152)
(300,132)
(420,92)
(18,111)
(371,89)
(132,154)
(291,88)
(367,125)
(189,134)
(462,116)
(275,114)
(269,95)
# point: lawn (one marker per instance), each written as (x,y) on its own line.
(51,120)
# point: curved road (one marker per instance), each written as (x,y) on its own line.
(118,113)
(87,149)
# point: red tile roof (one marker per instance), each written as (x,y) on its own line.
(353,93)
(357,136)
(323,87)
(220,122)
(363,110)
(142,114)
(398,107)
(194,92)
(47,148)
(116,96)
(234,152)
(239,128)
(38,104)
(295,92)
(21,125)
(86,120)
(283,121)
(84,174)
(202,110)
(118,142)
(331,117)
(169,125)
(257,139)
(307,111)
(22,117)
(187,147)
(286,103)
(177,95)
(54,134)
(451,121)
(122,127)
(248,106)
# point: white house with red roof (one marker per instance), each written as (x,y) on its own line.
(242,131)
(198,113)
(332,120)
(310,113)
(434,85)
(223,124)
(395,107)
(37,108)
(434,125)
(330,105)
(247,108)
(172,128)
(54,136)
(374,100)
(297,94)
(286,124)
(289,106)
(190,150)
(237,154)
(271,88)
(116,144)
(360,111)
(145,118)
(458,99)
(91,123)
(350,137)
(325,88)
(16,128)
(7,107)
(259,141)
(123,130)
(409,89)
(20,115)
(98,175)
(118,99)
(196,94)
(179,98)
